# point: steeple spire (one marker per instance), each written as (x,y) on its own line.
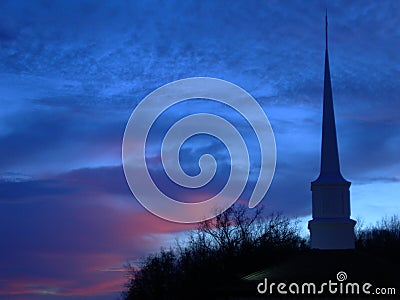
(326,29)
(330,167)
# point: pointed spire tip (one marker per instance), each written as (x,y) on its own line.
(326,28)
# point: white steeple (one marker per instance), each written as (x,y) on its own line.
(331,226)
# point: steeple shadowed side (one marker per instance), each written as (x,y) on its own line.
(330,166)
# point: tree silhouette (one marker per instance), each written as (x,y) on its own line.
(382,239)
(219,252)
(215,257)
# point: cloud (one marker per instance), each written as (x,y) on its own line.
(62,244)
(41,141)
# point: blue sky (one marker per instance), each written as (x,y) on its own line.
(71,73)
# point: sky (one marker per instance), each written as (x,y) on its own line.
(72,72)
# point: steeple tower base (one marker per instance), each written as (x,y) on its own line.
(334,233)
(331,226)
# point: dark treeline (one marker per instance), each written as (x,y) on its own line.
(383,239)
(234,244)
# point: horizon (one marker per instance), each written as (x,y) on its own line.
(72,74)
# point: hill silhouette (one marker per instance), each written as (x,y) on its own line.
(229,256)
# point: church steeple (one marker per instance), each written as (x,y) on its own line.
(331,226)
(330,166)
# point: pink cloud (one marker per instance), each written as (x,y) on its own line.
(76,239)
(66,244)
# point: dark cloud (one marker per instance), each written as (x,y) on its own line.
(13,192)
(59,139)
(75,183)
